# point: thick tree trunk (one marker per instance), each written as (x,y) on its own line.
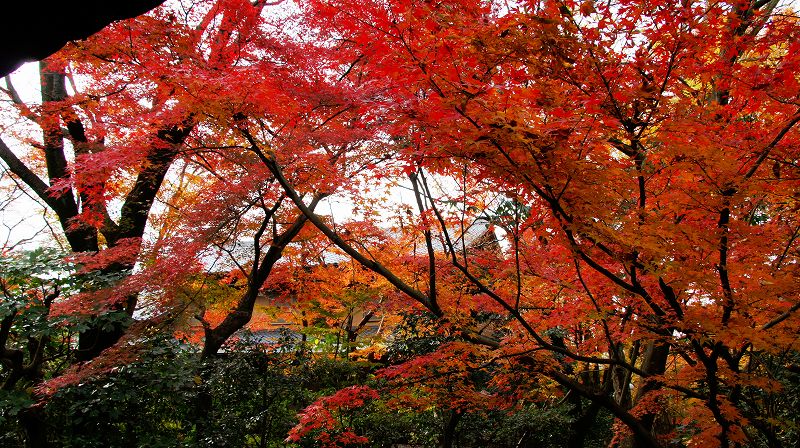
(621,377)
(582,424)
(35,429)
(216,337)
(95,339)
(449,430)
(654,363)
(203,409)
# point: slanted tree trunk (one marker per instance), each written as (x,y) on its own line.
(237,318)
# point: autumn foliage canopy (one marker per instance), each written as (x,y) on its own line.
(632,167)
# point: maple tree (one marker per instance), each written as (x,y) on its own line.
(113,125)
(636,162)
(127,121)
(152,96)
(654,247)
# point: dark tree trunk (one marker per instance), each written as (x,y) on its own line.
(654,363)
(582,425)
(449,430)
(235,320)
(95,339)
(34,427)
(204,406)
